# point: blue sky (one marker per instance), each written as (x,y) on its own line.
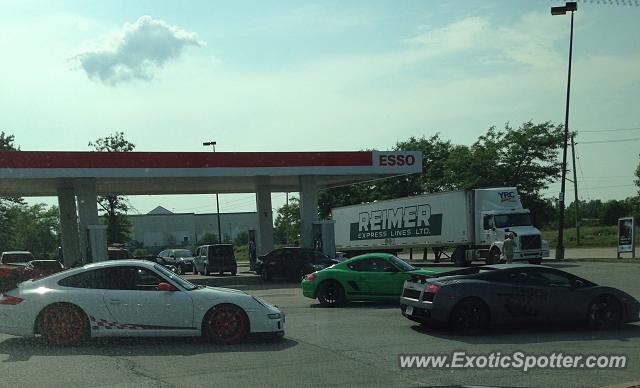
(332,75)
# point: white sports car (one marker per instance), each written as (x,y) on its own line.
(131,298)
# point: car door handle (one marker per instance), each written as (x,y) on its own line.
(115,301)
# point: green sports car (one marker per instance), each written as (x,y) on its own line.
(372,276)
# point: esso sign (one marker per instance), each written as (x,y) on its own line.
(397,160)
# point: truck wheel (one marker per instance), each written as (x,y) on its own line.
(494,256)
(458,257)
(206,270)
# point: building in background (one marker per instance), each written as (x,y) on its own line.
(161,227)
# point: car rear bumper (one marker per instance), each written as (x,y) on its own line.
(423,312)
(309,289)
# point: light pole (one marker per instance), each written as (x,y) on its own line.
(213,144)
(570,6)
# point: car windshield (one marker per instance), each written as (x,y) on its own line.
(187,285)
(401,264)
(16,257)
(182,253)
(511,220)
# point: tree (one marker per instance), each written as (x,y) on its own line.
(6,203)
(208,239)
(525,157)
(614,210)
(241,239)
(287,225)
(33,228)
(115,207)
(638,175)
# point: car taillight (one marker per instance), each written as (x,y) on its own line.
(311,277)
(8,299)
(431,289)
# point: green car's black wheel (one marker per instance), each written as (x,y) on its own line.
(469,316)
(330,294)
(605,312)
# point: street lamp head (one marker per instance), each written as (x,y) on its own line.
(570,6)
(209,143)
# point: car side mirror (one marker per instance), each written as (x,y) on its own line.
(578,284)
(166,287)
(173,256)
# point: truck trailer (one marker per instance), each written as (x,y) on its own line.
(471,224)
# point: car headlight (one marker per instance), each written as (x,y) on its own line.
(275,316)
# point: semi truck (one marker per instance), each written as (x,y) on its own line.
(464,225)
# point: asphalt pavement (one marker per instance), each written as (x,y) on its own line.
(354,346)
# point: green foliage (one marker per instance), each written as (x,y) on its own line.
(637,181)
(141,252)
(209,238)
(115,207)
(526,157)
(287,225)
(590,236)
(31,228)
(241,239)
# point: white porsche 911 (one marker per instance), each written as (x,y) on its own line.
(131,298)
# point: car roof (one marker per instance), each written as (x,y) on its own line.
(513,266)
(373,255)
(120,263)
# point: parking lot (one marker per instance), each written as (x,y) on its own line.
(357,345)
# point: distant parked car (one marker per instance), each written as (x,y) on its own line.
(291,263)
(181,259)
(18,266)
(215,258)
(16,257)
(117,253)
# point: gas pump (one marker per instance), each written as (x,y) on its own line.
(324,239)
(97,243)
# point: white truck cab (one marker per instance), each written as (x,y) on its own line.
(498,212)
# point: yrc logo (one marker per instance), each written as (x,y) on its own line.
(506,196)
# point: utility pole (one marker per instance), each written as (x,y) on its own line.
(576,204)
(570,6)
(213,144)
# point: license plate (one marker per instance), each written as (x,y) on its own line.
(409,310)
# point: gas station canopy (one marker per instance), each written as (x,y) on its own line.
(42,173)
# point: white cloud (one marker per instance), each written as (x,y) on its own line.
(529,40)
(137,51)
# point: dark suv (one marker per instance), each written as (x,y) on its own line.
(215,258)
(291,263)
(181,259)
